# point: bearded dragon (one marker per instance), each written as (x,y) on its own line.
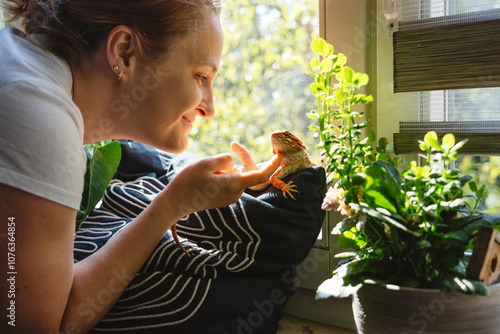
(295,158)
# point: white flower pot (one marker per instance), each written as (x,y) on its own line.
(380,309)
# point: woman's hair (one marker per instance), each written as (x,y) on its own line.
(75,29)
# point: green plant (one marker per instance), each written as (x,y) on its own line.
(410,229)
(103,159)
(340,126)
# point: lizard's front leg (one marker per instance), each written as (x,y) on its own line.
(286,188)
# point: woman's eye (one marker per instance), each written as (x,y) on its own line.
(202,77)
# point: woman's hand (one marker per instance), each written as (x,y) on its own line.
(245,157)
(214,182)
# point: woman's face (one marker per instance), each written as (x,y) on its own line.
(168,99)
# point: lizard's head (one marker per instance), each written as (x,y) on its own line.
(284,141)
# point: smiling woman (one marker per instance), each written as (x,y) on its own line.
(82,71)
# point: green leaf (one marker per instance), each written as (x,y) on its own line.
(371,135)
(459,145)
(376,214)
(314,64)
(346,242)
(459,283)
(383,157)
(327,50)
(382,142)
(423,146)
(348,74)
(326,65)
(101,167)
(449,140)
(317,88)
(381,188)
(464,179)
(431,139)
(470,224)
(430,135)
(340,95)
(357,179)
(318,45)
(360,79)
(341,60)
(473,186)
(344,225)
(312,115)
(434,144)
(366,99)
(457,235)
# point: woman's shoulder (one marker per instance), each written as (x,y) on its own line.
(42,128)
(24,58)
(35,85)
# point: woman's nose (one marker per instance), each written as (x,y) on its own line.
(207,107)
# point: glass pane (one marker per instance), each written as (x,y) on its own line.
(262,85)
(485,171)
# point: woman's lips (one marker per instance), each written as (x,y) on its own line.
(188,119)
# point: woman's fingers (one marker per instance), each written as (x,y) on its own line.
(244,155)
(207,184)
(263,174)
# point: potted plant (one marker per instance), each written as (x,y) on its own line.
(407,234)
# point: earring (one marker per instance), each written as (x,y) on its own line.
(119,77)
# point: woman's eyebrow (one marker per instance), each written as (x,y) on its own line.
(213,66)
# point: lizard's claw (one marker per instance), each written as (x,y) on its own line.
(287,188)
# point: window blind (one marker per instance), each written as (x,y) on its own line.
(447,62)
(445,45)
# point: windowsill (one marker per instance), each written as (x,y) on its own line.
(333,312)
(290,324)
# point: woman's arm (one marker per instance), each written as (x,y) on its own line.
(53,294)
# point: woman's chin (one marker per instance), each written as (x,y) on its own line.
(175,148)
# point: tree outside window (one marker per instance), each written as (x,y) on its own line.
(261,85)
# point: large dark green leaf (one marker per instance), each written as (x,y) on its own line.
(346,242)
(386,217)
(389,168)
(345,225)
(381,189)
(470,224)
(101,167)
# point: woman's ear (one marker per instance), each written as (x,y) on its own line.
(122,50)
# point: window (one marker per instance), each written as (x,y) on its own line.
(262,86)
(463,97)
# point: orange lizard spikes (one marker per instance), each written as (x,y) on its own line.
(173,229)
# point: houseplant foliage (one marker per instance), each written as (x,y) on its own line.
(103,159)
(410,229)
